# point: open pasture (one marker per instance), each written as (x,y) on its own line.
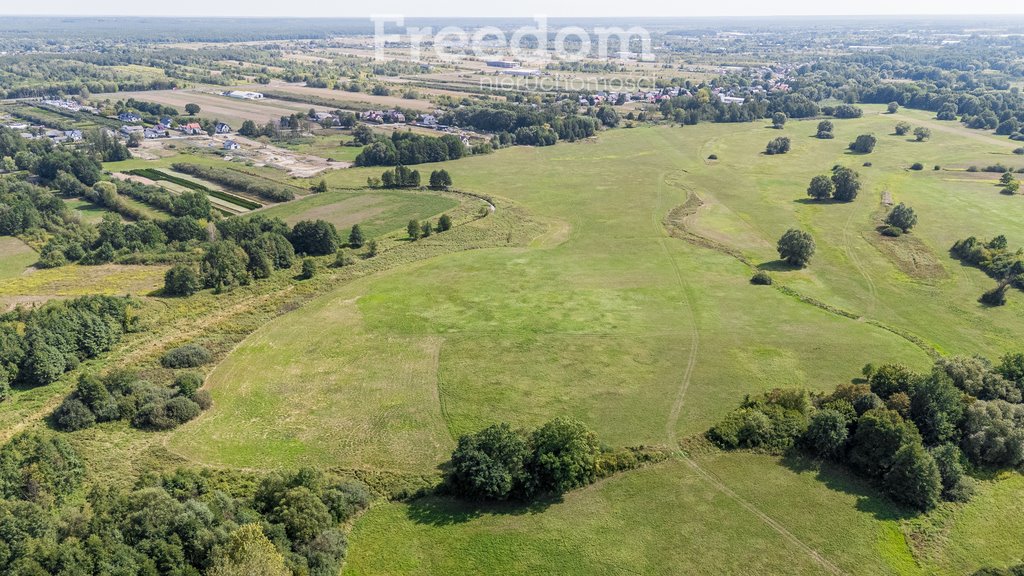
(645,337)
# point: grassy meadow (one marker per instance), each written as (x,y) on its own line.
(15,257)
(599,313)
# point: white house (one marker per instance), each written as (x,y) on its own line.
(231,145)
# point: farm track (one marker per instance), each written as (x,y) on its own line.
(677,406)
(848,241)
(771,522)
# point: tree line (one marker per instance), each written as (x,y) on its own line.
(916,435)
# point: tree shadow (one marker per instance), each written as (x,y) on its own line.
(813,201)
(438,510)
(840,479)
(777,266)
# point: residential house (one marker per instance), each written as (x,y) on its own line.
(155,132)
(73,135)
(223,128)
(231,145)
(192,129)
(129,130)
(129,117)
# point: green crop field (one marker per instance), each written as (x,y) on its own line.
(648,339)
(376,211)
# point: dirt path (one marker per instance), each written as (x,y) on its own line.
(848,240)
(684,384)
(680,400)
(771,522)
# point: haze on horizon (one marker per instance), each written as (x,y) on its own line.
(468,8)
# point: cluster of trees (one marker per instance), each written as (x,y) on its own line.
(410,148)
(1010,184)
(171,524)
(997,260)
(531,125)
(843,185)
(417,229)
(238,181)
(251,248)
(503,463)
(399,177)
(122,395)
(921,133)
(912,433)
(193,204)
(38,346)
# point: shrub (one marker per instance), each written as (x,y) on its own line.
(188,383)
(761,278)
(917,166)
(867,164)
(995,296)
(1018,151)
(342,259)
(779,145)
(715,156)
(444,223)
(73,415)
(181,280)
(892,231)
(956,486)
(308,268)
(187,356)
(864,144)
(902,217)
(202,398)
(563,458)
(902,128)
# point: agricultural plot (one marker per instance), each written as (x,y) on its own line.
(228,203)
(15,257)
(376,211)
(74,280)
(214,106)
(647,338)
(348,100)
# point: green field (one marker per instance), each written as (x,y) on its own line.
(376,211)
(15,257)
(647,339)
(329,145)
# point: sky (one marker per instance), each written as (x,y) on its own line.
(478,8)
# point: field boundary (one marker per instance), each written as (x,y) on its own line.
(675,224)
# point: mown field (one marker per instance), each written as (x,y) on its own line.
(376,211)
(648,339)
(15,257)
